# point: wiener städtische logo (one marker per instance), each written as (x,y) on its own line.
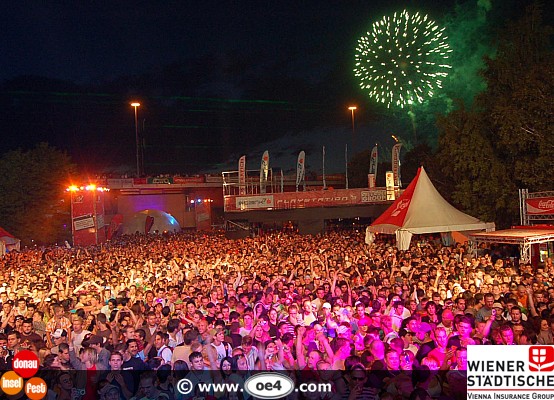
(24,366)
(541,358)
(494,372)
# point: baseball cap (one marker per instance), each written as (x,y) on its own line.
(498,305)
(326,305)
(58,333)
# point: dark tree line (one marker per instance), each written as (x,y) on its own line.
(32,205)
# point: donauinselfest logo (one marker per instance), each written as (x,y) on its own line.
(510,372)
(24,366)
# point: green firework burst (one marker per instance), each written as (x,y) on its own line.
(403,59)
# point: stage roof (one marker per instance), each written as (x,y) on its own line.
(517,235)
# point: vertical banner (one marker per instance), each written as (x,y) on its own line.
(396,164)
(323,167)
(242,175)
(282,181)
(301,170)
(148,224)
(389,179)
(371,181)
(373,160)
(264,168)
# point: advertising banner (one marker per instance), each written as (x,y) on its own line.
(515,372)
(371,181)
(183,180)
(242,175)
(396,164)
(119,183)
(373,160)
(84,222)
(320,198)
(300,169)
(389,179)
(160,181)
(254,202)
(264,169)
(540,206)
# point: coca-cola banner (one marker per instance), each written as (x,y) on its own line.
(540,206)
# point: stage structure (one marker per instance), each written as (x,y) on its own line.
(536,207)
(528,238)
(87,215)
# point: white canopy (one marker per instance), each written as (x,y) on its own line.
(150,221)
(421,209)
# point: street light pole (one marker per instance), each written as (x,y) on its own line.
(136,105)
(352,109)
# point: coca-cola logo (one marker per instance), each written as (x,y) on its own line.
(546,204)
(399,207)
(542,206)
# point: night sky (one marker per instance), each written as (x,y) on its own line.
(215,78)
(89,41)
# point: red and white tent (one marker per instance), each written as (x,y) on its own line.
(8,242)
(421,209)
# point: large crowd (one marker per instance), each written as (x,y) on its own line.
(142,312)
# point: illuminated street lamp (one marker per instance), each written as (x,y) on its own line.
(136,105)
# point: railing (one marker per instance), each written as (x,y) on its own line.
(233,226)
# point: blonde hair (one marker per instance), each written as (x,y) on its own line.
(42,353)
(92,354)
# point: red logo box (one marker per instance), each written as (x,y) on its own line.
(541,358)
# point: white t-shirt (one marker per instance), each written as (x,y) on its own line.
(165,353)
(223,350)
